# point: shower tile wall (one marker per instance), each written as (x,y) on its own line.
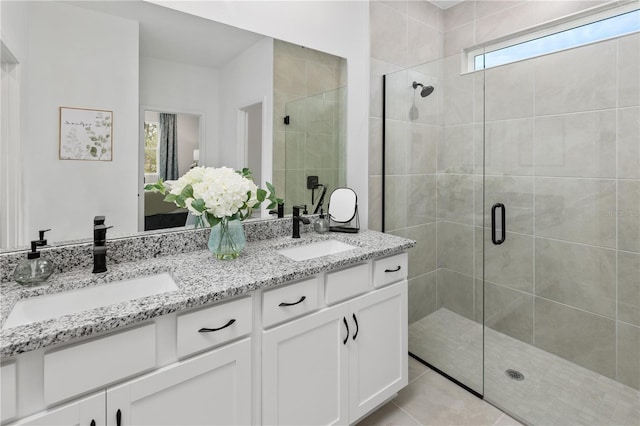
(302,78)
(405,34)
(562,152)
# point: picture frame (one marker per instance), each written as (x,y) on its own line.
(86,134)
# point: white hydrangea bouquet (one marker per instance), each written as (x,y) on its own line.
(222,197)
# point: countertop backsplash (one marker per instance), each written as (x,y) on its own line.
(74,256)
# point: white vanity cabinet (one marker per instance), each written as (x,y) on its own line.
(209,389)
(336,365)
(88,411)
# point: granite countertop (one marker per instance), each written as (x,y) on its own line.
(201,279)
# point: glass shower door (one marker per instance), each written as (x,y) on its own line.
(562,338)
(432,194)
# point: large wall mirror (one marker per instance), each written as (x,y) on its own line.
(239,98)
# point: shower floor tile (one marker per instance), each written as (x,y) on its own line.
(554,390)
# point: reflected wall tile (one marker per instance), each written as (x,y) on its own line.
(375,203)
(396,147)
(508,147)
(629,70)
(509,91)
(628,355)
(421,199)
(629,287)
(577,275)
(579,210)
(588,340)
(629,215)
(455,247)
(516,193)
(375,146)
(455,150)
(455,198)
(279,150)
(561,79)
(388,33)
(320,77)
(422,258)
(455,292)
(422,296)
(505,22)
(629,143)
(579,145)
(509,312)
(509,264)
(395,211)
(421,151)
(290,72)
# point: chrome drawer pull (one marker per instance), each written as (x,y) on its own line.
(209,330)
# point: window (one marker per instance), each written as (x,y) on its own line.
(554,40)
(151,138)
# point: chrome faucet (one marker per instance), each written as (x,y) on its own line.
(99,245)
(297,219)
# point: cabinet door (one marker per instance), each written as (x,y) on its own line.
(377,348)
(304,371)
(209,389)
(84,412)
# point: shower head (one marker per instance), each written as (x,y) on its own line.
(426,90)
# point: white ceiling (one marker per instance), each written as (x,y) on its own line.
(175,36)
(445,4)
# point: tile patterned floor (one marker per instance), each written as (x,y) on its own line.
(431,399)
(554,392)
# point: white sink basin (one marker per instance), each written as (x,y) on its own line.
(313,250)
(55,305)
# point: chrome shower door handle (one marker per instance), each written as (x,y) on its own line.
(503,217)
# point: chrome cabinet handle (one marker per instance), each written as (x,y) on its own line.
(302,299)
(209,330)
(393,270)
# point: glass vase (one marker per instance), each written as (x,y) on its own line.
(226,240)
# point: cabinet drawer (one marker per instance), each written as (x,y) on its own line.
(86,366)
(390,269)
(293,300)
(347,283)
(212,326)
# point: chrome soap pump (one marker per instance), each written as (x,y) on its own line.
(35,269)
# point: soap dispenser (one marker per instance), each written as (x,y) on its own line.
(321,225)
(35,269)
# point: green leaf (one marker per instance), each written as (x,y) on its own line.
(187,192)
(198,205)
(213,221)
(261,195)
(272,205)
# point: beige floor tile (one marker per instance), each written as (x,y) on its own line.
(416,369)
(434,400)
(507,421)
(389,415)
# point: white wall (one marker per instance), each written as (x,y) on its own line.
(98,69)
(244,81)
(337,27)
(174,87)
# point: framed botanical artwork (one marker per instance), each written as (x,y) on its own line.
(86,134)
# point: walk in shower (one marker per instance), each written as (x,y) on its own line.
(521,185)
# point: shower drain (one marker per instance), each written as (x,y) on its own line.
(514,375)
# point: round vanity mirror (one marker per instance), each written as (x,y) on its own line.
(343,205)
